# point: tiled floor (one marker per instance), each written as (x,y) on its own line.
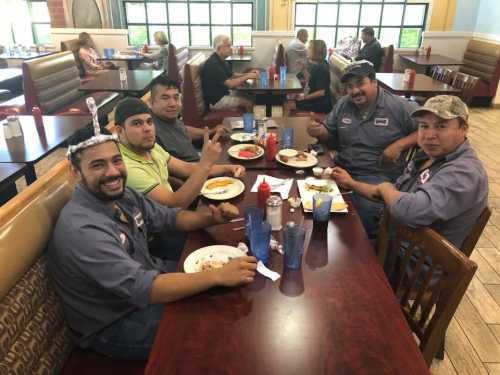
(473,337)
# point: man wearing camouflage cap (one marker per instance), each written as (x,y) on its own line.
(370,129)
(445,186)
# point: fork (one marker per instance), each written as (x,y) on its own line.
(279,184)
(223,191)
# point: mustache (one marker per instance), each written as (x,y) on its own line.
(105,180)
(358,95)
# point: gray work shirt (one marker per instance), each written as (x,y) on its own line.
(100,265)
(448,196)
(173,137)
(360,142)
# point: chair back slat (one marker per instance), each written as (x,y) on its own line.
(471,240)
(432,277)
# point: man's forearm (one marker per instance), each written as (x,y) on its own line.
(235,81)
(366,190)
(219,170)
(170,287)
(388,193)
(195,133)
(406,142)
(193,220)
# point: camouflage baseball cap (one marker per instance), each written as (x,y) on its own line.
(447,107)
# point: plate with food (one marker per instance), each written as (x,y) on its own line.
(210,257)
(245,152)
(243,137)
(296,159)
(311,186)
(222,188)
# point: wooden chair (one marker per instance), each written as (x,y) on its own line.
(466,83)
(470,241)
(442,74)
(430,293)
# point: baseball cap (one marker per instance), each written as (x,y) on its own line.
(128,107)
(446,107)
(362,68)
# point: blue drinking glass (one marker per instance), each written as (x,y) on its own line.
(263,79)
(248,122)
(282,74)
(322,204)
(260,237)
(286,138)
(293,245)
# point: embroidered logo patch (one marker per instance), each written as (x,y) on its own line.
(381,121)
(346,120)
(424,176)
(139,221)
(123,238)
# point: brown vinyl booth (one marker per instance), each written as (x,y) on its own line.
(194,110)
(482,59)
(34,336)
(387,65)
(176,61)
(51,83)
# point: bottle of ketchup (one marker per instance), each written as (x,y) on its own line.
(263,192)
(271,71)
(271,147)
(242,51)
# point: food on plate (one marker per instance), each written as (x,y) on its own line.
(206,264)
(288,152)
(338,206)
(321,186)
(218,184)
(301,156)
(249,151)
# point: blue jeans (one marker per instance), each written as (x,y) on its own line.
(369,211)
(130,337)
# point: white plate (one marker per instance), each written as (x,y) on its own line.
(224,192)
(233,151)
(243,137)
(311,161)
(218,253)
(306,195)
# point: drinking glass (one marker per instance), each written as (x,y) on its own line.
(263,79)
(293,245)
(260,237)
(248,122)
(322,204)
(286,138)
(282,73)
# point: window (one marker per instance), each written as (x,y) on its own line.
(395,22)
(26,22)
(189,22)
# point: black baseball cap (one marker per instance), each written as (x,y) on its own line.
(362,68)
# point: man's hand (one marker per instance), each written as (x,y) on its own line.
(254,74)
(224,212)
(317,130)
(211,149)
(391,153)
(235,170)
(300,97)
(238,271)
(342,178)
(221,129)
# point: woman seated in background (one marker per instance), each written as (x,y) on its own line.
(316,97)
(159,59)
(89,56)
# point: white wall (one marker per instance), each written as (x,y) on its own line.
(264,44)
(103,38)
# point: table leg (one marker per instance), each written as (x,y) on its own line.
(30,174)
(8,192)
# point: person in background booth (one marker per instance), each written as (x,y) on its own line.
(296,53)
(371,50)
(157,60)
(89,56)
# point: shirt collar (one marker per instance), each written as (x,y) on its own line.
(421,156)
(127,152)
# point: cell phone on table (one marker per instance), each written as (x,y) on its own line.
(318,147)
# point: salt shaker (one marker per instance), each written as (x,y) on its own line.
(6,130)
(14,126)
(274,207)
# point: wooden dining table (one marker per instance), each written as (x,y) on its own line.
(336,315)
(274,88)
(36,143)
(423,85)
(428,62)
(301,140)
(138,82)
(130,59)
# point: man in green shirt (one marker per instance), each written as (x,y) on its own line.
(149,167)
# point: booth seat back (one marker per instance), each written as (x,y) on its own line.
(387,65)
(482,59)
(193,103)
(34,338)
(73,45)
(51,82)
(337,64)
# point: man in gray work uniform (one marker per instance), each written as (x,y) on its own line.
(445,186)
(112,290)
(369,128)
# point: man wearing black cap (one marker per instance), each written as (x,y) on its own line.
(371,50)
(369,128)
(112,289)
